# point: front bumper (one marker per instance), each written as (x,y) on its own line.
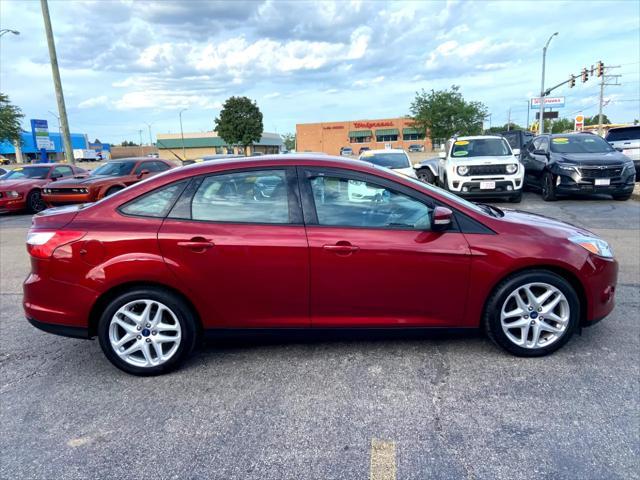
(12,204)
(472,188)
(600,276)
(575,184)
(60,199)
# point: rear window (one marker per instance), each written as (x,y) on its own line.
(388,160)
(620,134)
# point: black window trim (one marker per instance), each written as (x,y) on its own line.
(293,197)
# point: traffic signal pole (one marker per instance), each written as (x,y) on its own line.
(62,110)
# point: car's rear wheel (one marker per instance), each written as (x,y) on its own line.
(112,190)
(147,331)
(426,176)
(548,187)
(35,203)
(532,313)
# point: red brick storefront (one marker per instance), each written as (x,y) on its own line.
(329,137)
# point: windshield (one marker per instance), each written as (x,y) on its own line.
(619,134)
(114,169)
(584,143)
(481,147)
(28,172)
(387,160)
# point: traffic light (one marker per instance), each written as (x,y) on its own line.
(600,69)
(585,75)
(572,81)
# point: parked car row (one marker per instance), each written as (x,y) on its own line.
(36,187)
(554,164)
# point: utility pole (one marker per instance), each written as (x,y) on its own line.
(149,126)
(542,95)
(509,120)
(528,108)
(184,157)
(140,144)
(62,110)
(603,80)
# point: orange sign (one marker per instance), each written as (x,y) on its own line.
(579,122)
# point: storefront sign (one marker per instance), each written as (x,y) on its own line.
(40,131)
(335,127)
(549,102)
(372,124)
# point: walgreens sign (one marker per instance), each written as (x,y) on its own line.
(372,124)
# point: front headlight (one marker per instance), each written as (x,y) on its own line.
(629,166)
(595,245)
(512,168)
(463,170)
(12,194)
(567,168)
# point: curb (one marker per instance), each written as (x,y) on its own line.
(636,192)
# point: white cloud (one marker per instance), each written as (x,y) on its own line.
(368,82)
(94,102)
(164,100)
(271,95)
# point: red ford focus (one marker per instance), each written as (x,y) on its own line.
(305,242)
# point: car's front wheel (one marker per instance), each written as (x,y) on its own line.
(35,203)
(147,331)
(426,176)
(533,313)
(548,187)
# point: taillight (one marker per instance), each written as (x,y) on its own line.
(42,244)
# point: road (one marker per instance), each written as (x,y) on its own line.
(343,408)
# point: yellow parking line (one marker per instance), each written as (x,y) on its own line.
(383,460)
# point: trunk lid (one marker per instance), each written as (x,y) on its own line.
(57,217)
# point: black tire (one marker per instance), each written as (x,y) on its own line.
(622,198)
(444,184)
(491,319)
(517,198)
(112,190)
(35,203)
(426,176)
(183,313)
(548,187)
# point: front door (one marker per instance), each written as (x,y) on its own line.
(237,243)
(373,257)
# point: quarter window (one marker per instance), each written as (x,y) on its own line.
(243,197)
(62,172)
(156,203)
(354,203)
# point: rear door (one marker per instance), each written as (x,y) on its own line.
(237,242)
(373,257)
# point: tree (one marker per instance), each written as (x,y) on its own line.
(562,125)
(240,122)
(10,120)
(289,140)
(444,113)
(504,128)
(128,143)
(594,120)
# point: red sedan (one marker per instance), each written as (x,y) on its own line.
(21,188)
(305,242)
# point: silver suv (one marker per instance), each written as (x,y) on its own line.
(627,140)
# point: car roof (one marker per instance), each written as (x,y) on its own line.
(385,150)
(33,165)
(477,137)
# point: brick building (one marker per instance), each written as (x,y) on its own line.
(329,137)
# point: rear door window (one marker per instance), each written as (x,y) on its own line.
(623,134)
(256,196)
(155,203)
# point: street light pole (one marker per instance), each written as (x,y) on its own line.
(149,126)
(66,136)
(544,59)
(182,134)
(59,129)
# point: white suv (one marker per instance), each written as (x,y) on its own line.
(481,166)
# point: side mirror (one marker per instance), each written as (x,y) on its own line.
(619,149)
(516,151)
(442,218)
(143,173)
(540,152)
(442,154)
(55,176)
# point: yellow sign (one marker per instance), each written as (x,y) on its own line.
(462,142)
(560,140)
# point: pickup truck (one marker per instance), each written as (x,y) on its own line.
(481,166)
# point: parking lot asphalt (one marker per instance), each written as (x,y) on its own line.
(344,408)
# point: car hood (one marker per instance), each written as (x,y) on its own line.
(21,183)
(483,160)
(72,182)
(547,225)
(592,159)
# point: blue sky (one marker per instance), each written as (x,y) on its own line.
(125,64)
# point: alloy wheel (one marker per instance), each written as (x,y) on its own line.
(36,204)
(145,333)
(535,315)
